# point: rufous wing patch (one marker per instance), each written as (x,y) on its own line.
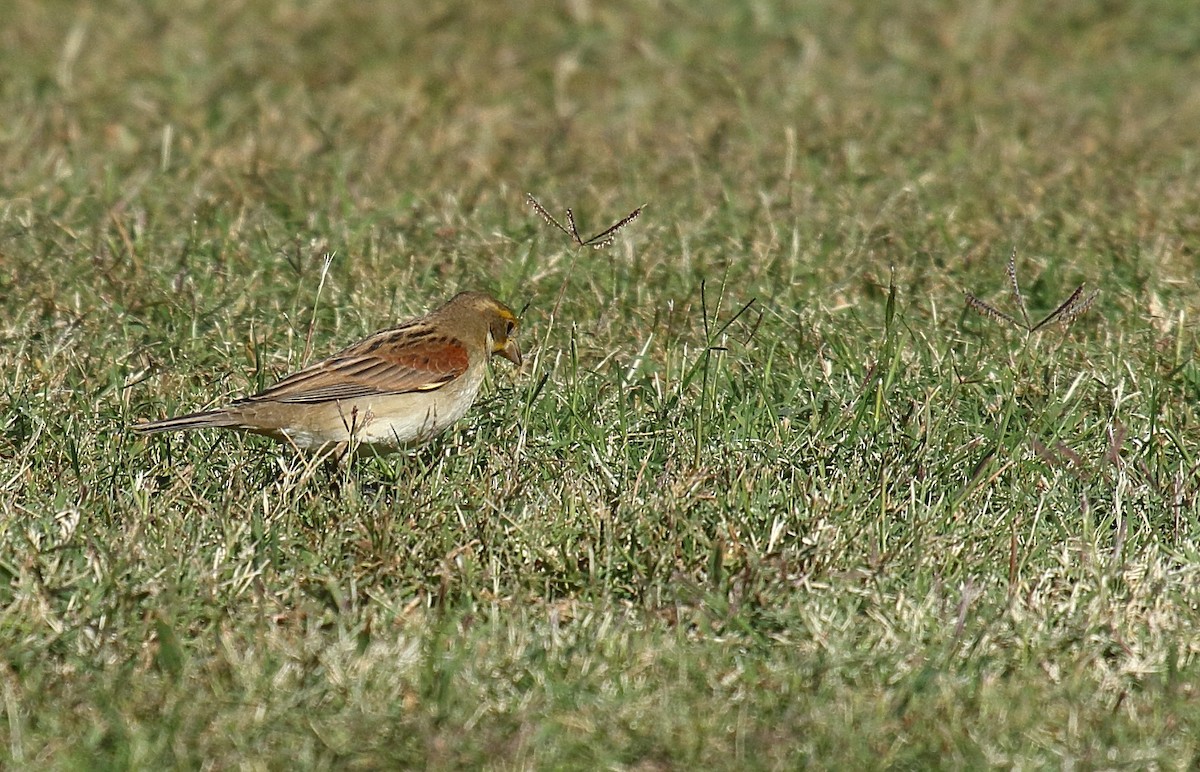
(428,364)
(382,366)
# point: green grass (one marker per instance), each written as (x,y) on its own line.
(766,494)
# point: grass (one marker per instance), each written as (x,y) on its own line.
(767,492)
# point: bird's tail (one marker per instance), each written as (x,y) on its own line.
(205,420)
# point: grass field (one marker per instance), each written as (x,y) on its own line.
(766,493)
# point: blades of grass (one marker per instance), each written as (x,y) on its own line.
(312,321)
(562,289)
(754,327)
(889,311)
(705,359)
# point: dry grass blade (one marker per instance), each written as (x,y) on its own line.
(312,321)
(549,218)
(741,311)
(1067,311)
(1061,311)
(1018,298)
(606,237)
(599,241)
(990,311)
(1079,308)
(574,228)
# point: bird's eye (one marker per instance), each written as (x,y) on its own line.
(509,326)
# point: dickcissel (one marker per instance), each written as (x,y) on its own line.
(396,388)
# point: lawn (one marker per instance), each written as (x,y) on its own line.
(769,491)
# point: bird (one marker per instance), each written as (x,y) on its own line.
(394,389)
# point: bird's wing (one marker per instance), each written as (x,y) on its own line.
(387,363)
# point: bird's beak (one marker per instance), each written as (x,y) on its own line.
(511,352)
